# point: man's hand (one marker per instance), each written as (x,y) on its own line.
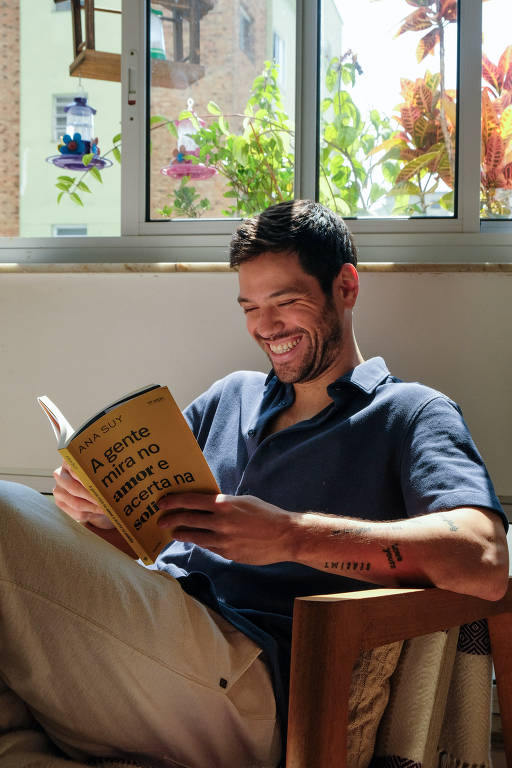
(71,496)
(241,528)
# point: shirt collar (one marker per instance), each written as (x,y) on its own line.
(366,376)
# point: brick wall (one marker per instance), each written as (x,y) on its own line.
(9,117)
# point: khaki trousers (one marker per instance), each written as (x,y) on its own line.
(112,659)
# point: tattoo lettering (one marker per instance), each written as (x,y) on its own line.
(449,522)
(351,531)
(391,553)
(349,565)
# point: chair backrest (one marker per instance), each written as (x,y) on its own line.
(331,631)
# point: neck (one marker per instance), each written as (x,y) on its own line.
(311,396)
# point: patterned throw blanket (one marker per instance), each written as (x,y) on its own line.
(439,709)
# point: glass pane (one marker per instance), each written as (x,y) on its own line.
(388,107)
(496,175)
(222,104)
(35,93)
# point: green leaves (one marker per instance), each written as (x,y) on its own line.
(256,161)
(348,143)
(213,108)
(171,127)
(223,126)
(70,186)
(61,185)
(95,174)
(447,201)
(411,169)
(186,202)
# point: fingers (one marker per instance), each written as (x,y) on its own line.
(192,511)
(69,483)
(204,538)
(191,519)
(75,500)
(209,502)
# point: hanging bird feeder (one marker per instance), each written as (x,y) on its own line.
(156,33)
(78,139)
(181,166)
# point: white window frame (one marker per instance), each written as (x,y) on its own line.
(441,240)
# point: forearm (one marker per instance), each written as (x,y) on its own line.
(462,550)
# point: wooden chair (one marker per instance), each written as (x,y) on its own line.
(358,621)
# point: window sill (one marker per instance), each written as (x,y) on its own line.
(206,266)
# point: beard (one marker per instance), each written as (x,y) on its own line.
(320,349)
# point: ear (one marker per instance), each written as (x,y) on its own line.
(346,286)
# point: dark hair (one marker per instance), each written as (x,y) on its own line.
(318,236)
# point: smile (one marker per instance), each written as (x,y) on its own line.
(280,349)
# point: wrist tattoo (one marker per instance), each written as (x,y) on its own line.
(347,565)
(449,522)
(393,555)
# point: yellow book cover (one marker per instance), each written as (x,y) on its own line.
(131,454)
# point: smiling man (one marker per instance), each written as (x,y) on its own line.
(334,473)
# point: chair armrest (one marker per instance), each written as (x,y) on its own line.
(329,632)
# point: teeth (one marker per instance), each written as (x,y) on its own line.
(279,349)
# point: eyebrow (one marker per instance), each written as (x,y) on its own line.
(275,294)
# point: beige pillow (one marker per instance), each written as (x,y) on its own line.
(368,698)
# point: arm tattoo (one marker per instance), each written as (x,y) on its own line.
(393,555)
(351,531)
(348,565)
(449,522)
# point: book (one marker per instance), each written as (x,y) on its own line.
(129,455)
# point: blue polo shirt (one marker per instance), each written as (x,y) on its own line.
(381,450)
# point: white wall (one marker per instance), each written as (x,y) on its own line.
(84,339)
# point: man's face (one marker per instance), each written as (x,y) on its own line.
(290,317)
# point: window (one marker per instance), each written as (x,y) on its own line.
(221,146)
(44,180)
(334,125)
(64,5)
(496,168)
(388,120)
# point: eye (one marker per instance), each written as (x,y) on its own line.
(246,310)
(288,301)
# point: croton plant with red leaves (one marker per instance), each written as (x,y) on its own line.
(425,144)
(496,172)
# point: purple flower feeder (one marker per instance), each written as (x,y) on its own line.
(74,162)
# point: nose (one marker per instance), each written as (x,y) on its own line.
(268,322)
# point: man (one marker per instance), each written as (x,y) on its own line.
(333,473)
